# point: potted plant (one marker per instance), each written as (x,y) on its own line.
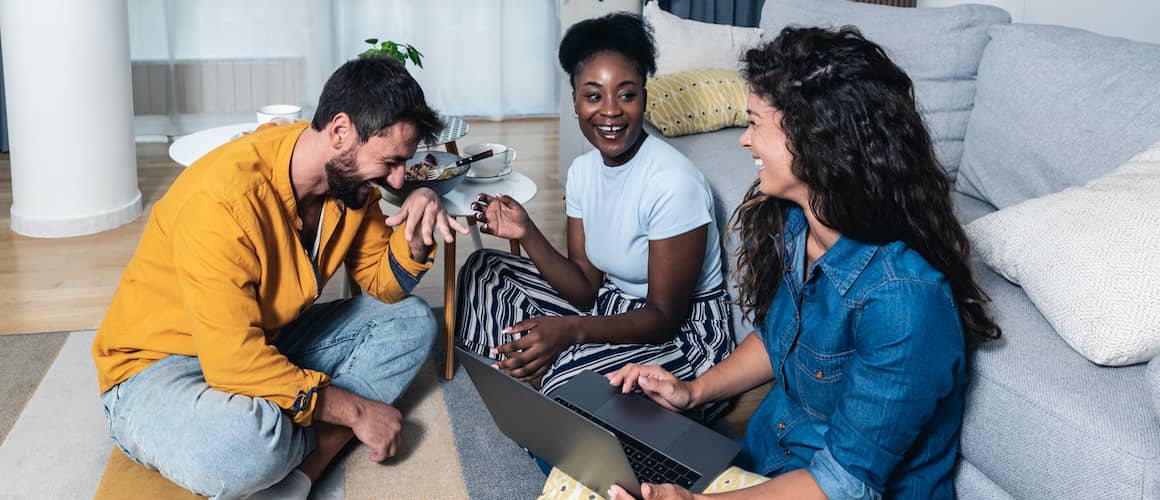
(402,51)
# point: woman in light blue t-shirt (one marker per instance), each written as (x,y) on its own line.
(641,280)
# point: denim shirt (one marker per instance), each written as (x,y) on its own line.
(869,373)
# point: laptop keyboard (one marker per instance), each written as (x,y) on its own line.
(649,465)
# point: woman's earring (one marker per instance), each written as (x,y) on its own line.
(574,115)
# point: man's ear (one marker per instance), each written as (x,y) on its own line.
(341,131)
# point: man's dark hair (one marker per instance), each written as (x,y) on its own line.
(623,33)
(376,92)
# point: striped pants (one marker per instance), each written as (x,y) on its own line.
(498,289)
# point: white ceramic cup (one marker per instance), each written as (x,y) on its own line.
(501,158)
(279,113)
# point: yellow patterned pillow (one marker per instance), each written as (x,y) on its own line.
(695,101)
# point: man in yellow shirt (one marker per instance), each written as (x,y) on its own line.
(216,367)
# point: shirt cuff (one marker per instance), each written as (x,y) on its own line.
(835,481)
(306,401)
(401,253)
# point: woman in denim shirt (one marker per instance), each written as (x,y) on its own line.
(855,270)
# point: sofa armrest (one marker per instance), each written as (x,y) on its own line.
(1152,380)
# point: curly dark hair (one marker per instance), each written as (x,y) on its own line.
(377,92)
(860,146)
(620,32)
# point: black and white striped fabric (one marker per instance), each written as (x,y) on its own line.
(498,289)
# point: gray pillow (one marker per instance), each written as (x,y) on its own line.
(1057,107)
(938,47)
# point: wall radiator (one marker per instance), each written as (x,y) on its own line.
(214,86)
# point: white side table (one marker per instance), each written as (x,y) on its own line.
(187,149)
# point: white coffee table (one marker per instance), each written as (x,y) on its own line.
(187,149)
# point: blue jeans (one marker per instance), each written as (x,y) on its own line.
(226,445)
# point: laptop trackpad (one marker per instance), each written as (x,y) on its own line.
(638,417)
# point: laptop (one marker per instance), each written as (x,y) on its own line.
(600,436)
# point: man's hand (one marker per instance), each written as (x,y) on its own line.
(423,212)
(653,492)
(657,383)
(380,427)
(501,216)
(377,425)
(530,356)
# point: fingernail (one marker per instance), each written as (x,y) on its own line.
(611,494)
(494,351)
(496,366)
(645,489)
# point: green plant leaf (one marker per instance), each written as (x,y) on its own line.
(371,41)
(414,55)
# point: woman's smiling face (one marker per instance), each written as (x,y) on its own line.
(609,99)
(771,151)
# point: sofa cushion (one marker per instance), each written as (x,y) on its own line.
(695,101)
(729,169)
(1043,422)
(1089,257)
(675,53)
(968,209)
(938,47)
(1057,107)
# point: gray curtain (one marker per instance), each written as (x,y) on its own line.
(735,12)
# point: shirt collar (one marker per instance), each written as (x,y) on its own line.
(843,263)
(281,166)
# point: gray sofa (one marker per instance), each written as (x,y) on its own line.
(1017,112)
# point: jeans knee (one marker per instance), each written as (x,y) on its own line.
(237,452)
(248,470)
(420,322)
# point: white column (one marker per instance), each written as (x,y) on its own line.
(70,116)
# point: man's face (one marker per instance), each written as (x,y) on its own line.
(353,174)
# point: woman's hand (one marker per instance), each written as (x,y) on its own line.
(501,216)
(657,383)
(653,492)
(529,356)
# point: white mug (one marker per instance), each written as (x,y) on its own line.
(279,113)
(501,158)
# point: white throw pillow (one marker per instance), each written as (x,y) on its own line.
(1089,258)
(683,45)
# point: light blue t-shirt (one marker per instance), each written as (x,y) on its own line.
(656,195)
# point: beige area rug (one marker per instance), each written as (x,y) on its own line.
(427,467)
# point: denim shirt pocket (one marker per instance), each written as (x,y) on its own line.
(820,381)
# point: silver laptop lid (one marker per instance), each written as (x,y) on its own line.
(585,451)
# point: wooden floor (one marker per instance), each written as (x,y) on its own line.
(66,284)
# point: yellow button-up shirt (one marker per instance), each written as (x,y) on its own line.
(220,269)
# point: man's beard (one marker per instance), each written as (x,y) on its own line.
(344,186)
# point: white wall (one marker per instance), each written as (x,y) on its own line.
(1133,19)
